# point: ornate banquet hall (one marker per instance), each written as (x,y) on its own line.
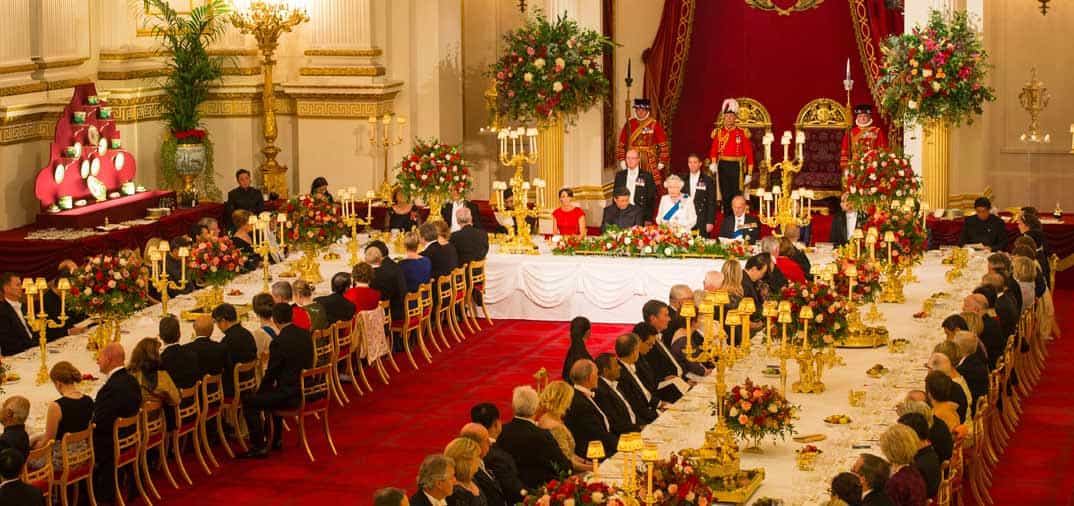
(536,252)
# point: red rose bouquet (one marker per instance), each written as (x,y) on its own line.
(755,412)
(312,222)
(114,285)
(902,220)
(434,168)
(867,283)
(829,322)
(216,262)
(676,483)
(658,241)
(879,176)
(572,491)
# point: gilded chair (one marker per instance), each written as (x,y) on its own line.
(315,399)
(188,423)
(345,351)
(458,301)
(362,337)
(410,323)
(425,294)
(324,354)
(387,308)
(244,377)
(476,280)
(127,451)
(445,309)
(40,477)
(77,456)
(154,435)
(824,122)
(212,409)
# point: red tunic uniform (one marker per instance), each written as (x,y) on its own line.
(732,144)
(860,140)
(648,138)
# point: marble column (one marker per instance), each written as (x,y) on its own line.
(340,47)
(16,63)
(60,43)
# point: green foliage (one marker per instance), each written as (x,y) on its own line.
(184,41)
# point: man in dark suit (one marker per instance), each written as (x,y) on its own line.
(535,451)
(13,491)
(874,472)
(470,241)
(498,462)
(120,397)
(755,270)
(289,354)
(15,334)
(702,190)
(336,307)
(444,257)
(436,481)
(984,227)
(655,378)
(484,477)
(610,400)
(845,221)
(621,213)
(212,356)
(639,183)
(643,402)
(238,341)
(13,414)
(992,335)
(971,366)
(584,418)
(387,277)
(180,361)
(450,211)
(244,196)
(739,224)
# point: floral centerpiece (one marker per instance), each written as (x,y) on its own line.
(756,412)
(550,68)
(901,218)
(432,171)
(572,491)
(216,262)
(110,285)
(938,72)
(867,283)
(879,175)
(829,322)
(312,223)
(658,241)
(676,483)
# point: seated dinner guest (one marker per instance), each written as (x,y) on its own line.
(484,478)
(212,355)
(319,189)
(13,414)
(586,421)
(180,361)
(450,211)
(303,292)
(361,295)
(15,334)
(790,268)
(438,248)
(639,184)
(13,491)
(568,219)
(158,390)
(336,307)
(555,400)
(387,277)
(436,481)
(793,233)
(580,328)
(676,209)
(244,196)
(243,239)
(534,450)
(465,454)
(611,401)
(239,342)
(874,472)
(402,215)
(72,412)
(905,487)
(390,496)
(643,402)
(470,241)
(926,461)
(77,322)
(702,191)
(984,227)
(499,463)
(845,221)
(283,292)
(417,270)
(621,213)
(739,224)
(120,397)
(846,487)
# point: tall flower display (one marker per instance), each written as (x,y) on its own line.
(879,175)
(938,72)
(110,285)
(432,171)
(312,222)
(216,262)
(829,323)
(550,68)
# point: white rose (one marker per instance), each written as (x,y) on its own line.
(733,412)
(935,86)
(557,86)
(926,73)
(598,498)
(911,104)
(872,190)
(668,251)
(647,250)
(528,77)
(539,63)
(772,408)
(560,62)
(111,283)
(568,502)
(424,177)
(872,177)
(87,292)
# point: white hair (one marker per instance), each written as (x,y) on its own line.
(464,216)
(679,293)
(373,256)
(966,342)
(674,180)
(770,244)
(433,469)
(713,280)
(524,401)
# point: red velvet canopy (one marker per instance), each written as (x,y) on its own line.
(729,49)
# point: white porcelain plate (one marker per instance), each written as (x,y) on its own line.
(58,173)
(85,169)
(119,161)
(93,134)
(78,150)
(97,188)
(102,146)
(95,167)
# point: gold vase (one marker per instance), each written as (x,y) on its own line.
(308,267)
(936,162)
(435,201)
(550,137)
(108,331)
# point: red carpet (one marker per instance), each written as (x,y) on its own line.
(383,436)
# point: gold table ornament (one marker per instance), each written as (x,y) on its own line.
(649,456)
(381,137)
(629,445)
(158,259)
(40,322)
(348,199)
(267,20)
(595,452)
(518,147)
(784,205)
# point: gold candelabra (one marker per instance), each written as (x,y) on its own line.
(518,147)
(649,455)
(380,137)
(259,233)
(595,452)
(40,322)
(629,446)
(349,210)
(158,259)
(267,20)
(809,367)
(893,278)
(783,205)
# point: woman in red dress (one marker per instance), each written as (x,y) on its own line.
(568,219)
(361,295)
(790,269)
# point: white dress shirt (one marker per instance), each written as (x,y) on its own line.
(852,223)
(455,206)
(634,374)
(588,394)
(434,501)
(631,181)
(694,178)
(615,391)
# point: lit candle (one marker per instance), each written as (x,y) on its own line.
(29,289)
(42,287)
(502,136)
(64,286)
(767,140)
(532,134)
(848,69)
(185,252)
(786,142)
(154,259)
(387,120)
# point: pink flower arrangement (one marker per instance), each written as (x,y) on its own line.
(216,262)
(753,411)
(110,285)
(650,241)
(312,222)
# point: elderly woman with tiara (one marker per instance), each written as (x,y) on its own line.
(676,210)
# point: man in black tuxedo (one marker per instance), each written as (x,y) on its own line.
(654,378)
(639,183)
(15,334)
(874,472)
(436,481)
(289,354)
(239,342)
(739,224)
(1008,309)
(610,400)
(336,307)
(992,335)
(586,421)
(498,462)
(484,477)
(621,213)
(470,241)
(845,221)
(120,397)
(212,356)
(444,257)
(702,190)
(755,270)
(984,227)
(244,196)
(664,364)
(14,491)
(971,366)
(180,361)
(535,451)
(450,212)
(642,401)
(387,277)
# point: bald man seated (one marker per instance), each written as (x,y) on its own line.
(120,397)
(213,358)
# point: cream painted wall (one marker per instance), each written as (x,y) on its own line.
(636,22)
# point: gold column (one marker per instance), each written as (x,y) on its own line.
(936,162)
(550,161)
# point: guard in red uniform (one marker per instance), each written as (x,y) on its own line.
(731,155)
(646,135)
(863,137)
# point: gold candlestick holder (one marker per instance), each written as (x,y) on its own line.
(349,211)
(649,456)
(381,137)
(629,445)
(792,207)
(40,322)
(514,152)
(262,247)
(595,452)
(159,273)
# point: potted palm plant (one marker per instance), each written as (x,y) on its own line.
(184,39)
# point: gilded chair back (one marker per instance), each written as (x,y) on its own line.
(40,477)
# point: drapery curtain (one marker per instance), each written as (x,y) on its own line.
(873,23)
(665,60)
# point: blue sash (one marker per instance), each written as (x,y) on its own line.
(671,212)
